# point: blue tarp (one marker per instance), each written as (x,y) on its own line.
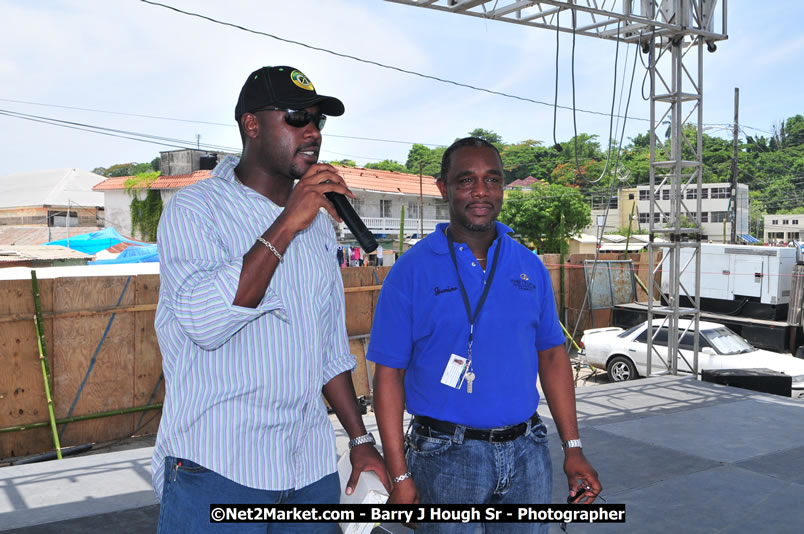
(143,254)
(94,242)
(749,238)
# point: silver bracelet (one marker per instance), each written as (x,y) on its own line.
(361,440)
(271,248)
(400,478)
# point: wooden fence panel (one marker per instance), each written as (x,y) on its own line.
(93,357)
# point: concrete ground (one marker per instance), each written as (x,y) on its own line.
(683,455)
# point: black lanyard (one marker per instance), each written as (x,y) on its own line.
(469,315)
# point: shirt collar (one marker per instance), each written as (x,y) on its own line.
(438,239)
(225,169)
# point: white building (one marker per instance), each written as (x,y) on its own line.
(782,229)
(715,217)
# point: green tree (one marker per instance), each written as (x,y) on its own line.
(387,165)
(429,158)
(487,135)
(537,215)
(344,163)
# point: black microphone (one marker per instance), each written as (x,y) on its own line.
(353,221)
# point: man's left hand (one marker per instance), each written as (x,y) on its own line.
(366,458)
(581,475)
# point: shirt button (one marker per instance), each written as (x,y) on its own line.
(461,249)
(474,264)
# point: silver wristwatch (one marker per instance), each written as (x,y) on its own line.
(361,440)
(571,444)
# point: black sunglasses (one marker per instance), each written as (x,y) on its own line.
(298,118)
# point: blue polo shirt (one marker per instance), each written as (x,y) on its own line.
(420,320)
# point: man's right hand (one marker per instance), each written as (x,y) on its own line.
(404,492)
(308,197)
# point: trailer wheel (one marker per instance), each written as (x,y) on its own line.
(621,369)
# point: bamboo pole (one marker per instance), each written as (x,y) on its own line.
(46,376)
(75,418)
(80,313)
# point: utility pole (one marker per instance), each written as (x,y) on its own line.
(734,167)
(421,204)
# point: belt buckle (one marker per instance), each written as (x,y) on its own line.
(501,433)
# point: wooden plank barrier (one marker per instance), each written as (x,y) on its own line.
(104,353)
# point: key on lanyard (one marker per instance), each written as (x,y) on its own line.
(470,377)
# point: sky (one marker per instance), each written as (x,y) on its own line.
(135,67)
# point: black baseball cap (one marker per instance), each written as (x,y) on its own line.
(283,87)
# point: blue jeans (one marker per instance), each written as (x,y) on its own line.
(448,469)
(190,488)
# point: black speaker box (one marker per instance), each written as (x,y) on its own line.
(762,380)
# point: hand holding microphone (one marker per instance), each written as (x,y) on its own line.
(364,237)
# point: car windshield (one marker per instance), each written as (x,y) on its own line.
(626,333)
(727,342)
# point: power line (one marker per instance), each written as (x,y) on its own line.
(376,63)
(228,125)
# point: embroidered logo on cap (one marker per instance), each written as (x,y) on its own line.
(301,81)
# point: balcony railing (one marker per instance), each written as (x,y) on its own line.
(386,225)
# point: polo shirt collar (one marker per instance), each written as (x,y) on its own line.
(438,239)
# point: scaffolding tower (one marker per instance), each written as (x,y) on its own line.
(673,34)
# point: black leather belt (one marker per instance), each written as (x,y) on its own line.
(494,435)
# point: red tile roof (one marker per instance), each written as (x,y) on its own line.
(355,177)
(524,182)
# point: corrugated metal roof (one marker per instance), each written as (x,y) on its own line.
(50,188)
(355,177)
(19,253)
(37,235)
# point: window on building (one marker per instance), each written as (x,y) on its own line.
(643,218)
(357,204)
(442,211)
(412,210)
(719,216)
(665,194)
(720,192)
(704,217)
(785,221)
(795,221)
(385,209)
(775,221)
(704,193)
(644,194)
(692,194)
(630,196)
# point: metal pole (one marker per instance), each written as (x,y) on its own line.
(421,204)
(734,167)
(68,223)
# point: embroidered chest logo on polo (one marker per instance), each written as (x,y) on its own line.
(523,283)
(437,290)
(301,80)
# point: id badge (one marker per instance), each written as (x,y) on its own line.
(454,370)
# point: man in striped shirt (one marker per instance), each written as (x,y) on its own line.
(251,322)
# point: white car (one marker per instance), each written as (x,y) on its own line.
(623,353)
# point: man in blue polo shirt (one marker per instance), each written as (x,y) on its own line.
(465,321)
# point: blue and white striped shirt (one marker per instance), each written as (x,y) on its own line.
(243,386)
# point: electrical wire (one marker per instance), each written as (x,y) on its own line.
(228,125)
(376,63)
(613,100)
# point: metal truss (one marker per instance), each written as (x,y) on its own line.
(673,34)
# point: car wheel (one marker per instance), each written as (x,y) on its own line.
(621,369)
